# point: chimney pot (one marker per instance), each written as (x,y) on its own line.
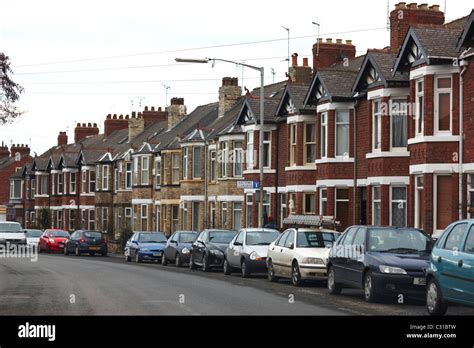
(320,39)
(146,108)
(423,6)
(412,5)
(159,108)
(348,42)
(329,41)
(152,108)
(434,8)
(294,59)
(109,116)
(305,62)
(339,41)
(89,125)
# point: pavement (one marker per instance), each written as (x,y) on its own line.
(94,285)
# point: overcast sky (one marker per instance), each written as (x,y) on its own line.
(81,60)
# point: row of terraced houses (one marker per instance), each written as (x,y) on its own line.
(374,139)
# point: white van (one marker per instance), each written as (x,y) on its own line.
(11,233)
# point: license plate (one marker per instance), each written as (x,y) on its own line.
(419,281)
(61,245)
(157,254)
(95,248)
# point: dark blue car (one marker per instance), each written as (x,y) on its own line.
(145,246)
(178,248)
(381,261)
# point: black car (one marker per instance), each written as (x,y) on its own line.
(91,242)
(209,247)
(178,248)
(381,261)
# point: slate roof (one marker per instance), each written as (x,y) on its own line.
(438,42)
(228,123)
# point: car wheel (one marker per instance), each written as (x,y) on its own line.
(164,260)
(271,272)
(177,261)
(128,258)
(245,269)
(191,262)
(434,300)
(296,275)
(48,250)
(227,269)
(66,253)
(77,252)
(370,294)
(334,288)
(137,257)
(205,263)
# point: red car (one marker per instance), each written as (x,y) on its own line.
(53,240)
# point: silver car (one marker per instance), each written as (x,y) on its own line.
(247,252)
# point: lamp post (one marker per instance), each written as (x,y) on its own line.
(262,110)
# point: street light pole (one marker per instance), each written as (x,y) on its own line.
(262,119)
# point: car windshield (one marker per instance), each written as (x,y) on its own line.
(260,237)
(187,237)
(397,240)
(59,234)
(221,237)
(95,235)
(11,227)
(34,233)
(315,239)
(152,238)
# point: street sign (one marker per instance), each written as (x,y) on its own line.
(248,184)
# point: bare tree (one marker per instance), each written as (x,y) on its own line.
(9,92)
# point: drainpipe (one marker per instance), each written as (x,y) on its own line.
(277,164)
(206,177)
(463,64)
(354,193)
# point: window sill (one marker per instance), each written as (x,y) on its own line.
(334,160)
(297,168)
(387,154)
(438,138)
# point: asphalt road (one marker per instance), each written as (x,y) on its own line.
(59,285)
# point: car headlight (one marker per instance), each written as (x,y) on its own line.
(391,270)
(185,251)
(313,260)
(145,250)
(216,252)
(51,240)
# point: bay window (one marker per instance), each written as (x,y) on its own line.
(309,204)
(267,149)
(91,181)
(342,133)
(293,144)
(376,206)
(72,183)
(237,216)
(442,107)
(250,150)
(60,183)
(398,206)
(399,115)
(135,171)
(128,175)
(175,170)
(213,166)
(376,125)
(185,162)
(145,169)
(324,135)
(15,189)
(224,152)
(105,177)
(158,172)
(196,162)
(238,154)
(420,107)
(310,143)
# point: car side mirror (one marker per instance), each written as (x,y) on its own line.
(430,245)
(237,243)
(291,246)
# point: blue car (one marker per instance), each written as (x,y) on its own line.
(178,248)
(450,278)
(145,246)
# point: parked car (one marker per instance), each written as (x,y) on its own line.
(450,278)
(53,240)
(33,237)
(82,241)
(208,249)
(247,252)
(381,261)
(300,254)
(145,246)
(11,233)
(178,248)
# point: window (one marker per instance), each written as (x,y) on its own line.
(283,212)
(158,218)
(420,107)
(197,162)
(105,219)
(359,239)
(105,178)
(185,215)
(310,142)
(135,171)
(119,175)
(60,219)
(248,210)
(144,217)
(442,107)
(158,172)
(128,176)
(175,215)
(224,158)
(91,181)
(213,166)
(72,220)
(44,184)
(267,149)
(32,188)
(399,116)
(419,207)
(65,183)
(470,195)
(15,189)
(342,133)
(376,125)
(91,219)
(349,236)
(145,171)
(196,223)
(324,135)
(53,184)
(342,206)
(175,170)
(72,183)
(212,210)
(128,217)
(309,203)
(323,199)
(376,206)
(455,238)
(292,144)
(60,183)
(291,203)
(238,159)
(290,239)
(399,207)
(469,246)
(250,150)
(185,162)
(266,205)
(116,179)
(224,215)
(281,241)
(84,181)
(237,216)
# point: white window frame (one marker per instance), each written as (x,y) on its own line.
(437,92)
(175,168)
(105,218)
(83,181)
(336,124)
(418,190)
(197,174)
(304,203)
(377,118)
(53,184)
(60,183)
(91,219)
(158,172)
(234,210)
(379,201)
(398,114)
(293,143)
(238,160)
(248,209)
(322,200)
(224,208)
(32,188)
(105,177)
(128,175)
(72,183)
(309,143)
(213,166)
(12,189)
(91,172)
(145,171)
(158,218)
(403,201)
(420,107)
(116,179)
(144,216)
(184,215)
(185,162)
(224,158)
(193,212)
(267,144)
(250,150)
(323,141)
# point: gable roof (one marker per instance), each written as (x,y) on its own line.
(466,38)
(292,100)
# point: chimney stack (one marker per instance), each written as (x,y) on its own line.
(176,111)
(83,130)
(229,94)
(412,15)
(150,115)
(299,74)
(21,149)
(136,125)
(62,138)
(114,123)
(328,53)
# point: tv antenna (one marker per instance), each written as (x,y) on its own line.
(288,57)
(167,88)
